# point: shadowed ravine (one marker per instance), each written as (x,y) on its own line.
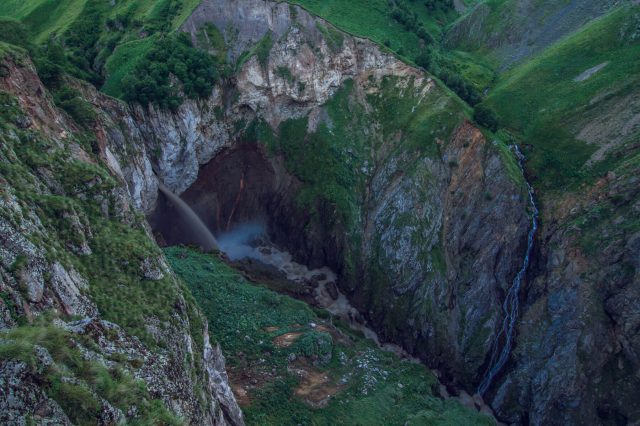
(511,304)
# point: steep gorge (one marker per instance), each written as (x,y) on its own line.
(426,226)
(354,160)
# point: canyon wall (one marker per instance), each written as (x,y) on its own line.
(88,299)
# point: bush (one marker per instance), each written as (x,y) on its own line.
(14,32)
(485,116)
(81,42)
(314,343)
(424,59)
(172,59)
(70,100)
(458,84)
(408,18)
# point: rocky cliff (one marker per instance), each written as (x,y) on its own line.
(576,361)
(98,330)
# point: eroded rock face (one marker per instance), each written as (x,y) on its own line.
(21,393)
(442,247)
(436,239)
(43,273)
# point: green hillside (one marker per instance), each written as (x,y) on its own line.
(43,17)
(282,337)
(91,32)
(375,19)
(545,105)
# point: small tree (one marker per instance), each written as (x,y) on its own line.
(485,116)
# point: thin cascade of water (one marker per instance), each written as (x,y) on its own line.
(511,302)
(206,239)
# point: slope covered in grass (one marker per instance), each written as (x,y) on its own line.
(548,101)
(284,358)
(123,62)
(509,31)
(43,17)
(373,19)
(88,34)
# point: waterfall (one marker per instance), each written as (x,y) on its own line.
(206,239)
(510,305)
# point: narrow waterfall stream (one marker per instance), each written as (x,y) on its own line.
(205,238)
(511,304)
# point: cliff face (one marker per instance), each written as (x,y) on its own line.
(99,330)
(576,361)
(434,229)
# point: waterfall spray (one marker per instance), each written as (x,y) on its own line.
(206,239)
(511,302)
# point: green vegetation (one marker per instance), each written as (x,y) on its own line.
(284,73)
(330,160)
(326,160)
(116,279)
(170,56)
(404,24)
(77,384)
(485,116)
(212,40)
(409,28)
(545,106)
(420,120)
(263,48)
(368,386)
(79,37)
(334,38)
(43,17)
(123,62)
(260,50)
(71,101)
(14,32)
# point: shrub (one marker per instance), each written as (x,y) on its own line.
(284,73)
(263,48)
(314,343)
(424,59)
(14,32)
(486,117)
(172,59)
(70,100)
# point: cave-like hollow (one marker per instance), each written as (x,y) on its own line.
(243,184)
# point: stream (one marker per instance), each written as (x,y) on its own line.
(511,304)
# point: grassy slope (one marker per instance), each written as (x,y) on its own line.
(371,19)
(122,62)
(380,389)
(43,17)
(541,101)
(53,17)
(131,48)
